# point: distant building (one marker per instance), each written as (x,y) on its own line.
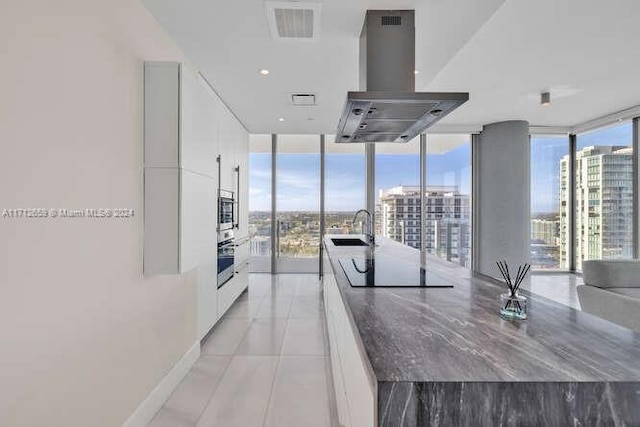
(545,231)
(260,246)
(447,217)
(604,204)
(545,243)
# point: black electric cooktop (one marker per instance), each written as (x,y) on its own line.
(385,271)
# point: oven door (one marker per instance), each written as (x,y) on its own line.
(225,213)
(225,261)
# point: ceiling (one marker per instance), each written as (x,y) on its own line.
(503,52)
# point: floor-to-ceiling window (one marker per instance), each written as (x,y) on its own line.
(345,185)
(292,244)
(260,202)
(549,202)
(604,194)
(297,203)
(448,213)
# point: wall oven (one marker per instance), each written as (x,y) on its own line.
(226,259)
(225,210)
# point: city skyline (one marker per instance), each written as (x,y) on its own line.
(298,178)
(299,174)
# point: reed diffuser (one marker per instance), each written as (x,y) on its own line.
(512,305)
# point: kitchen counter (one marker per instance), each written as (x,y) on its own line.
(445,356)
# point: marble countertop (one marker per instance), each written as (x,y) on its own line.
(456,334)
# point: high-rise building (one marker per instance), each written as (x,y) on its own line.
(604,204)
(447,217)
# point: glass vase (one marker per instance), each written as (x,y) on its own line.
(513,307)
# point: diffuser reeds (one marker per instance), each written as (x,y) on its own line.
(513,285)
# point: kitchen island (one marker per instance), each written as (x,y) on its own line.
(443,356)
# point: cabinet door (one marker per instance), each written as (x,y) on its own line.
(207,298)
(199,125)
(242,196)
(226,148)
(198,238)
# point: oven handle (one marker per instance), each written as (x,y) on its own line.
(226,245)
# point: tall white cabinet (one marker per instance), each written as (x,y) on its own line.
(186,128)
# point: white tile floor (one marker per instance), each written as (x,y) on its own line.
(264,364)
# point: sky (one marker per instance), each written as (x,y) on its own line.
(298,177)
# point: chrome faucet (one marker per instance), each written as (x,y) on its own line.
(371,239)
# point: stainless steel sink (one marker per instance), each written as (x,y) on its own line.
(349,241)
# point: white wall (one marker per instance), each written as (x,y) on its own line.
(85,337)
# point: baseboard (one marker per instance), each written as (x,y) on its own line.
(154,401)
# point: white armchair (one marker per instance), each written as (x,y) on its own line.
(611,290)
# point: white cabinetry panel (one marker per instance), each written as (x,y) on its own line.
(199,126)
(197,220)
(207,297)
(162,189)
(355,396)
(162,114)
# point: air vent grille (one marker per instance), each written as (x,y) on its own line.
(293,21)
(304,99)
(390,20)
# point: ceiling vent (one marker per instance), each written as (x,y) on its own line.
(294,21)
(304,99)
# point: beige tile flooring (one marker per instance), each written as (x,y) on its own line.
(264,364)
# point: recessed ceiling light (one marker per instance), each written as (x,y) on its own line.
(281,119)
(264,72)
(416,72)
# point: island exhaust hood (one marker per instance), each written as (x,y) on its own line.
(388,109)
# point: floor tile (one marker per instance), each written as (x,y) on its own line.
(168,418)
(226,336)
(299,396)
(306,308)
(242,397)
(312,287)
(274,307)
(264,337)
(247,308)
(193,393)
(305,337)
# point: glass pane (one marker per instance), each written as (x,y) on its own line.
(397,184)
(549,162)
(298,203)
(448,214)
(604,194)
(260,202)
(345,187)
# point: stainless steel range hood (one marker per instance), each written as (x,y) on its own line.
(388,109)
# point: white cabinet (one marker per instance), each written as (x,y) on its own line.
(227,138)
(231,290)
(354,386)
(186,128)
(180,179)
(241,156)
